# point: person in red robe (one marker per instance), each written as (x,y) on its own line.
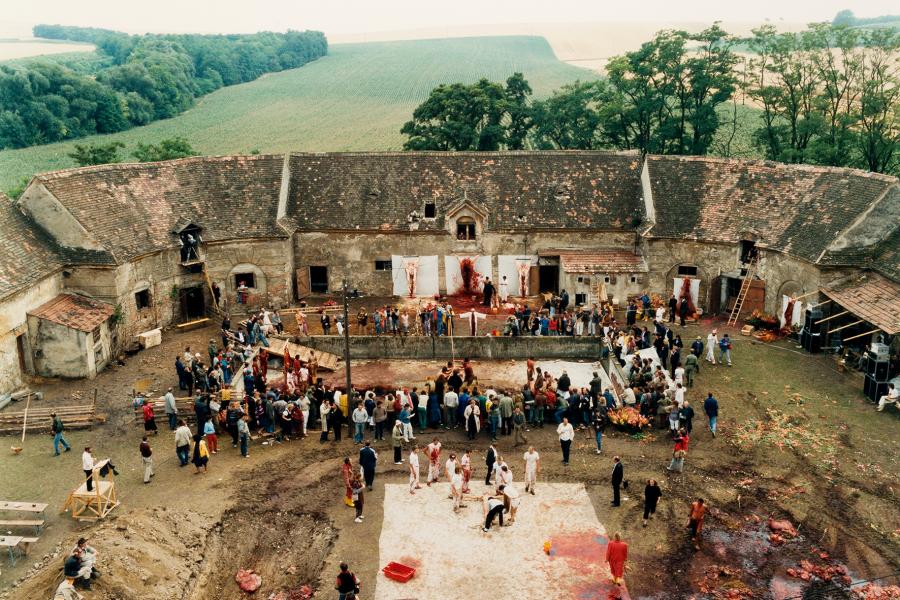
(616,555)
(264,363)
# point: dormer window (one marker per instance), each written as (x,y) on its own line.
(430,210)
(190,239)
(465,228)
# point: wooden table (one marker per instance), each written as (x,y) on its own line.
(32,507)
(10,542)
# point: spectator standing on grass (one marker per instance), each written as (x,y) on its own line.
(686,416)
(599,424)
(209,433)
(725,350)
(566,433)
(712,341)
(347,476)
(711,408)
(146,458)
(679,451)
(519,426)
(56,425)
(652,494)
(149,417)
(182,442)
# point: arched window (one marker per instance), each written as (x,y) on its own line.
(465,228)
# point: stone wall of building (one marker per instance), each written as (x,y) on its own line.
(353,255)
(13,324)
(439,348)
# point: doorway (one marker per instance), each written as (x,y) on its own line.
(20,352)
(193,304)
(548,278)
(318,280)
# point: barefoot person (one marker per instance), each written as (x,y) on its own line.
(616,555)
(414,469)
(456,486)
(532,467)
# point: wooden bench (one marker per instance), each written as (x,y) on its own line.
(36,523)
(10,542)
(32,507)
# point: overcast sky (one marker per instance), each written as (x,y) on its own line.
(353,16)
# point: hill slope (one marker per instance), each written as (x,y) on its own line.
(356,98)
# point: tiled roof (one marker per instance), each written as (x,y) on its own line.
(27,255)
(886,257)
(797,209)
(74,311)
(379,191)
(132,209)
(602,261)
(871,297)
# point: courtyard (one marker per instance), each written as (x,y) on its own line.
(797,442)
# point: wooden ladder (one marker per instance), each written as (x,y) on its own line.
(216,308)
(745,289)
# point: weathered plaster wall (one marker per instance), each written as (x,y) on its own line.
(782,273)
(47,212)
(428,348)
(13,323)
(353,255)
(60,351)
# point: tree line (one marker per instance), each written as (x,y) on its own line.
(150,77)
(829,95)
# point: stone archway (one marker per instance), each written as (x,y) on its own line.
(253,277)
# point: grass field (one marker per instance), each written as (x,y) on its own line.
(356,98)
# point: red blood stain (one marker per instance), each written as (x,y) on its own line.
(471,279)
(585,547)
(410,561)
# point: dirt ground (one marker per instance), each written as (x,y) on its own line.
(797,441)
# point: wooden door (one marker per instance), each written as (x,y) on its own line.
(302,282)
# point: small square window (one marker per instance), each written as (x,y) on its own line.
(430,210)
(634,279)
(580,299)
(687,271)
(248,279)
(142,299)
(606,279)
(383,265)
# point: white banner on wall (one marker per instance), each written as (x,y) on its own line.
(508,265)
(695,289)
(477,270)
(796,317)
(420,271)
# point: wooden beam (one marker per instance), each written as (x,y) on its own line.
(840,314)
(806,294)
(846,326)
(862,334)
(820,303)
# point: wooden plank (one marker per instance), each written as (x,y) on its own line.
(22,523)
(34,507)
(193,324)
(327,361)
(10,541)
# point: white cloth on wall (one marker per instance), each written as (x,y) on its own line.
(427,279)
(453,272)
(695,289)
(507,264)
(796,317)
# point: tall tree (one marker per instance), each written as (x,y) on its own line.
(878,110)
(518,95)
(569,119)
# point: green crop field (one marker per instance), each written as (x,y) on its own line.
(356,98)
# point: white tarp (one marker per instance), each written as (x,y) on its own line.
(454,277)
(508,265)
(797,317)
(427,280)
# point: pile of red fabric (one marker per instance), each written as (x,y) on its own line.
(808,570)
(248,580)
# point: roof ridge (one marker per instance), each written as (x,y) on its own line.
(49,175)
(776,164)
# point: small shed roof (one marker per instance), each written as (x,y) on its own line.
(873,298)
(75,312)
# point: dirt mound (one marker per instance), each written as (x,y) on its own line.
(143,554)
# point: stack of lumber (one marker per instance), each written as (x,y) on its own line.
(307,310)
(327,361)
(79,416)
(185,411)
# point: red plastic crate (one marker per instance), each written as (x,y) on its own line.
(398,572)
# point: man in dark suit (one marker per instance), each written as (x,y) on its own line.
(618,474)
(489,460)
(367,460)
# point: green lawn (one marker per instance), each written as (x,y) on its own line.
(356,98)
